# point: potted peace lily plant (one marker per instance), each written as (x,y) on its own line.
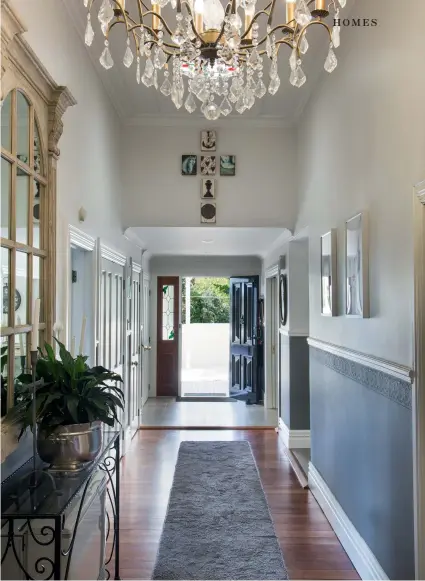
(71,404)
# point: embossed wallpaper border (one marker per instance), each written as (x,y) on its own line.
(386,385)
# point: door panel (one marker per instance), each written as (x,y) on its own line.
(135,348)
(111,347)
(146,340)
(243,344)
(167,336)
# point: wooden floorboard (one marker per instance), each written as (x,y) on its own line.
(310,547)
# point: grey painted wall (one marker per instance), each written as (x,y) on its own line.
(361,434)
(294,382)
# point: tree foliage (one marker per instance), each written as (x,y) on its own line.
(209,300)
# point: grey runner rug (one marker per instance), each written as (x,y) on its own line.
(218,524)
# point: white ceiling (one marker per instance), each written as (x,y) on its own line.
(207,240)
(139,105)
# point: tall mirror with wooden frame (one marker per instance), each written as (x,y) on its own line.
(32,106)
(23,234)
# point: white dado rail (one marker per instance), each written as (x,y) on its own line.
(399,371)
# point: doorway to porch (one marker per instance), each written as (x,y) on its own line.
(205,337)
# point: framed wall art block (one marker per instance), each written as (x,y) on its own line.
(208,165)
(208,140)
(208,212)
(357,266)
(208,188)
(189,164)
(328,244)
(227,165)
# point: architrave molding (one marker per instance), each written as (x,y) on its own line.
(112,255)
(81,239)
(272,271)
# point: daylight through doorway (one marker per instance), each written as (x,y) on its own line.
(205,337)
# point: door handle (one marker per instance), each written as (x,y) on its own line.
(147,347)
(135,363)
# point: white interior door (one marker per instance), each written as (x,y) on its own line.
(135,347)
(110,348)
(146,341)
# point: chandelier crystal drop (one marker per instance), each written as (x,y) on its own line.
(216,49)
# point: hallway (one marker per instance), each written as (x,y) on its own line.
(166,412)
(310,547)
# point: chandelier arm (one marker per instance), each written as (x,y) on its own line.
(304,29)
(161,18)
(269,21)
(192,22)
(254,19)
(228,7)
(263,40)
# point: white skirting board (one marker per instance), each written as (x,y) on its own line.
(294,438)
(360,554)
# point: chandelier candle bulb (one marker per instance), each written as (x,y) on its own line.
(320,10)
(290,13)
(199,15)
(249,15)
(156,8)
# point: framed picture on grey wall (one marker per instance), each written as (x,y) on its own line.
(189,164)
(357,266)
(328,244)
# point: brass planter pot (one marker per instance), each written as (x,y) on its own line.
(70,448)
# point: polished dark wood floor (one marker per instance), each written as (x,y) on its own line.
(310,548)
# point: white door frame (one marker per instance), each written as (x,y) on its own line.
(419,378)
(146,342)
(271,339)
(83,241)
(118,258)
(137,273)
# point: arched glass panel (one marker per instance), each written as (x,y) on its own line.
(6,123)
(23,129)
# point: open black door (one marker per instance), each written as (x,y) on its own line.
(243,338)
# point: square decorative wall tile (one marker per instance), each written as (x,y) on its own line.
(208,165)
(208,212)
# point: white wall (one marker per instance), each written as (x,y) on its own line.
(89,165)
(361,146)
(262,193)
(206,346)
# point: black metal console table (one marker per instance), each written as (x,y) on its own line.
(49,500)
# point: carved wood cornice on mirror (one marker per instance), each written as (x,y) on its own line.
(24,78)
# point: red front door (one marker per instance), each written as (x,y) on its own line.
(167,370)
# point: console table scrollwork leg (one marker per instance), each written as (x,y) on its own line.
(58,541)
(117,509)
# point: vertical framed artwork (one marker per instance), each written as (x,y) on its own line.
(357,266)
(208,213)
(227,165)
(189,164)
(208,189)
(208,165)
(208,140)
(328,262)
(283,299)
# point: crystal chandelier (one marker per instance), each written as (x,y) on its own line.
(221,57)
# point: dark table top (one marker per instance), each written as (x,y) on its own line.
(53,492)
